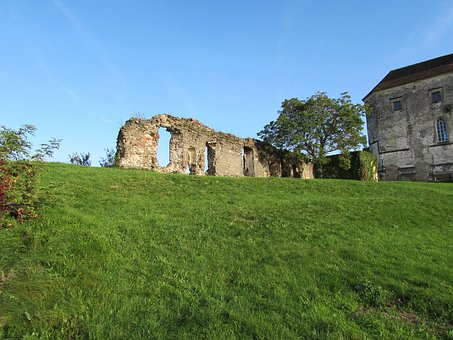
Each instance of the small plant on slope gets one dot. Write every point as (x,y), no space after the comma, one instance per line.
(109,160)
(80,158)
(19,167)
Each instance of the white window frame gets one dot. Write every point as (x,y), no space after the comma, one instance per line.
(442,130)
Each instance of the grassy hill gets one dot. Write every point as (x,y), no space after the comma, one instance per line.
(135,254)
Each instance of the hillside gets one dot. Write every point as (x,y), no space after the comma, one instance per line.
(135,254)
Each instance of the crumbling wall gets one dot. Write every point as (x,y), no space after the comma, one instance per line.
(261,159)
(227,155)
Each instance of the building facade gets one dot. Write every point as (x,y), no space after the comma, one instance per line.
(410,125)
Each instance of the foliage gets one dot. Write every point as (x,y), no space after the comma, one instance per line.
(15,146)
(110,158)
(368,166)
(283,160)
(5,187)
(358,165)
(317,126)
(19,167)
(80,158)
(372,294)
(136,254)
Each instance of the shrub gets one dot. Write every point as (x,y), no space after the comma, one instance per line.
(18,173)
(371,293)
(5,185)
(358,165)
(110,158)
(368,166)
(80,158)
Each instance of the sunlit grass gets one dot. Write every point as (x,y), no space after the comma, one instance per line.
(135,254)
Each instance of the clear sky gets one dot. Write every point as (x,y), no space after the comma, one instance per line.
(79,69)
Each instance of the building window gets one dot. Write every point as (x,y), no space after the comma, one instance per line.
(436,97)
(442,133)
(397,105)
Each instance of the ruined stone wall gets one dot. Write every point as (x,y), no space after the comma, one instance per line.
(406,140)
(227,155)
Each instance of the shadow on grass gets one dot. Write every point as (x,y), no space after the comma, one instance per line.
(450,180)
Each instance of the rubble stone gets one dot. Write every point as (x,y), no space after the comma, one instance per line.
(227,155)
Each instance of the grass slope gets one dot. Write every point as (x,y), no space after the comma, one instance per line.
(135,254)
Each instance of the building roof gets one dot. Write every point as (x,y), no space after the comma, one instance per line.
(409,74)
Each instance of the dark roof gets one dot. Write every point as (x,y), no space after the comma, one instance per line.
(409,74)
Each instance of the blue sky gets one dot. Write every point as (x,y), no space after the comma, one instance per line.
(79,69)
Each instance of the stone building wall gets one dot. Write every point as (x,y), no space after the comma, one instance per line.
(227,155)
(406,140)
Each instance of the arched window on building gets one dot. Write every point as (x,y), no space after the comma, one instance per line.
(442,133)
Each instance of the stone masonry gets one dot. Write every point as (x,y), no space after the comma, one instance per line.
(192,143)
(411,121)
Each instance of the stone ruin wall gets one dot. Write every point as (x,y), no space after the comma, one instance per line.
(227,155)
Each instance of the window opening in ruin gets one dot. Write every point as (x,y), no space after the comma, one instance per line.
(209,159)
(192,160)
(163,147)
(296,172)
(442,133)
(206,160)
(436,97)
(248,166)
(286,169)
(243,162)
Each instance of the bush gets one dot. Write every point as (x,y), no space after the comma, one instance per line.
(371,293)
(368,166)
(18,173)
(80,159)
(109,160)
(358,165)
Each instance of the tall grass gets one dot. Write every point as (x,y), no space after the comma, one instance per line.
(135,254)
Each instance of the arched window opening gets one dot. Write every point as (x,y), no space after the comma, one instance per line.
(442,133)
(163,147)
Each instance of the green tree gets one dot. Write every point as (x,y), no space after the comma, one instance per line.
(317,126)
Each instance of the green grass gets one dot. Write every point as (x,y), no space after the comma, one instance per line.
(136,254)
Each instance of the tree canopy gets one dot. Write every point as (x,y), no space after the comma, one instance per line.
(317,126)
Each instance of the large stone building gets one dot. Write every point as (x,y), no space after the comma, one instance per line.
(410,126)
